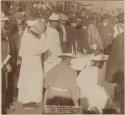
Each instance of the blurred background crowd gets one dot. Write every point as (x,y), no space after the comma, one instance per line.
(97,28)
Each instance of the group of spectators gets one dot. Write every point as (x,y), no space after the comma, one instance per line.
(69,28)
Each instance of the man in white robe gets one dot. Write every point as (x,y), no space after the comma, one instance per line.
(33,44)
(51,56)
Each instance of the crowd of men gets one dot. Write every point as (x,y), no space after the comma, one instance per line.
(39,46)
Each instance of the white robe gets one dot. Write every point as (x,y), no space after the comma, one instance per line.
(51,57)
(89,88)
(30,82)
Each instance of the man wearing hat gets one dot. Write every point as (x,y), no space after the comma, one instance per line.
(115,65)
(33,45)
(62,28)
(94,35)
(106,31)
(83,36)
(72,33)
(51,56)
(63,77)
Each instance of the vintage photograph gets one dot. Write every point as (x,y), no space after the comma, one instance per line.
(62,56)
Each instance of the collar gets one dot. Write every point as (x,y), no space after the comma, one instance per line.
(34,34)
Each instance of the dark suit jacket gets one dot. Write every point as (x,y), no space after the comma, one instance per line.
(116,58)
(64,45)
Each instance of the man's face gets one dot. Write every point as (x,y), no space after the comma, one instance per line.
(19,21)
(105,22)
(39,27)
(73,24)
(84,27)
(2,24)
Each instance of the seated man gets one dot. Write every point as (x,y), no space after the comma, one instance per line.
(62,76)
(90,88)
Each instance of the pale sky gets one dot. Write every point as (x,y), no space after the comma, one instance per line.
(107,5)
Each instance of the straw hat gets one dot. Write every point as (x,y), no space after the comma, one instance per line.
(99,58)
(70,55)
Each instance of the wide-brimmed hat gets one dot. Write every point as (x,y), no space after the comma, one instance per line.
(70,55)
(63,17)
(99,58)
(54,17)
(74,20)
(3,17)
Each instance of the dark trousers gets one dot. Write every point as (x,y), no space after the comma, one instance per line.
(4,91)
(7,89)
(16,77)
(119,79)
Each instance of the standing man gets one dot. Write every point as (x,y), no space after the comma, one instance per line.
(51,56)
(72,34)
(94,36)
(30,84)
(6,66)
(106,32)
(13,36)
(63,30)
(115,65)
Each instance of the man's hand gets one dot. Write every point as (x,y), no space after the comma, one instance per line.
(19,61)
(9,68)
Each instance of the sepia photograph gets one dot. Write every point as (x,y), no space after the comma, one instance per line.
(62,57)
